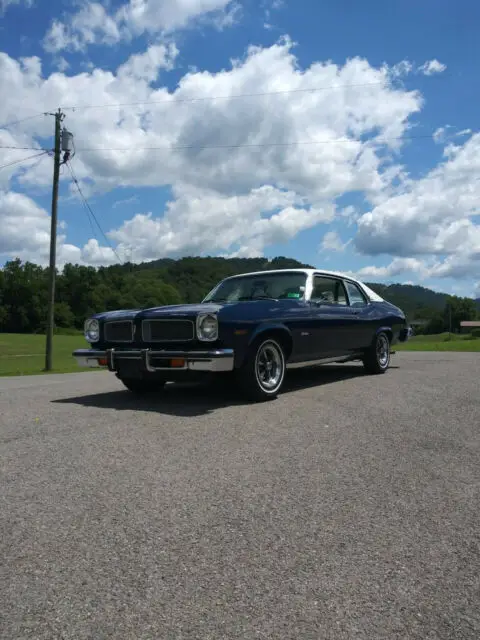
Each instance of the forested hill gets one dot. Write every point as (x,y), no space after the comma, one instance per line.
(410,297)
(190,274)
(81,291)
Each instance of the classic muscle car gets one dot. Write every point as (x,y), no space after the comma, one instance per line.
(252,327)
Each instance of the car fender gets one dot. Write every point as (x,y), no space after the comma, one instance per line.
(262,330)
(266,327)
(386,329)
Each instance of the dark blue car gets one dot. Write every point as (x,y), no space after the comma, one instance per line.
(252,327)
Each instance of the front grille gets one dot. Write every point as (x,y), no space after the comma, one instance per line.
(167,330)
(121,331)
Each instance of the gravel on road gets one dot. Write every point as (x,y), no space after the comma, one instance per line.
(348,508)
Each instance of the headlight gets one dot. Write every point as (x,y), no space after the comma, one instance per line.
(92,330)
(207,328)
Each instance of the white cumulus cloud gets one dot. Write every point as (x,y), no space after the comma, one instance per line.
(4,4)
(397,267)
(406,67)
(220,153)
(199,221)
(244,170)
(93,24)
(436,215)
(431,67)
(332,242)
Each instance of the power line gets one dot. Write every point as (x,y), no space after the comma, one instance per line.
(230,97)
(10,164)
(14,122)
(245,145)
(90,220)
(25,148)
(199,99)
(89,209)
(240,146)
(202,99)
(253,145)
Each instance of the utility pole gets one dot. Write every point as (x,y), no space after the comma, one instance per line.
(59,116)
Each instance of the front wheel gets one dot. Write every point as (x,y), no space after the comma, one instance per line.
(377,358)
(141,387)
(262,374)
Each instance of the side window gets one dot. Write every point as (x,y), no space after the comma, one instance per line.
(328,291)
(356,297)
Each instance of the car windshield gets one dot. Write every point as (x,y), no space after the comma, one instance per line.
(277,286)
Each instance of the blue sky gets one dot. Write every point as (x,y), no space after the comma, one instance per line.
(375,171)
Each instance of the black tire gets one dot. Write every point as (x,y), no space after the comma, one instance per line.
(142,387)
(377,358)
(262,374)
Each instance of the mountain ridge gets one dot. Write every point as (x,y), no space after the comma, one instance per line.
(82,291)
(207,271)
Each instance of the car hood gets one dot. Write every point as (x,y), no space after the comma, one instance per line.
(177,310)
(182,310)
(227,310)
(118,314)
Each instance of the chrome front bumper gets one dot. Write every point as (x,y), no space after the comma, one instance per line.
(216,360)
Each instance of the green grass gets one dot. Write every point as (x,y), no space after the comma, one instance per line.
(24,354)
(440,342)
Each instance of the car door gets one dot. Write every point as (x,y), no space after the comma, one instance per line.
(334,321)
(298,319)
(361,331)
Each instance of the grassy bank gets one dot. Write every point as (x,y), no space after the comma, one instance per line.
(440,342)
(24,354)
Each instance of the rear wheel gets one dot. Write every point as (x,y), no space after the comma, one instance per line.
(141,387)
(377,358)
(262,374)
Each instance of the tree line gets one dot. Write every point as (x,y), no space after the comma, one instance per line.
(82,291)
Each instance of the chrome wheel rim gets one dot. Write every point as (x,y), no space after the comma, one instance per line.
(383,351)
(269,366)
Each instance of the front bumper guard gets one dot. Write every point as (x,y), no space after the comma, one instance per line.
(215,360)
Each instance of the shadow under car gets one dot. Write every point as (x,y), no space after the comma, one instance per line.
(194,399)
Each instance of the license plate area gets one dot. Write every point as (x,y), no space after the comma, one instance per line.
(129,368)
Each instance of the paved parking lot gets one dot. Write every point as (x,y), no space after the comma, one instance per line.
(348,508)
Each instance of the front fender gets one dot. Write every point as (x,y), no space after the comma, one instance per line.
(386,329)
(264,329)
(268,327)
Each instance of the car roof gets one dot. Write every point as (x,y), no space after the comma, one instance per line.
(369,292)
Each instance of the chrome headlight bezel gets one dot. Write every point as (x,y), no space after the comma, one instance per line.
(91,330)
(209,336)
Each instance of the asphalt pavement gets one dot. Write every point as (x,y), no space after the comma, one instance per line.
(348,508)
